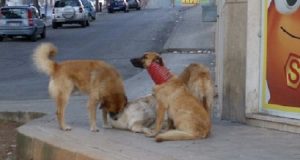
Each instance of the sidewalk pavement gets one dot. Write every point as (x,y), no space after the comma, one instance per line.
(41,138)
(192,33)
(159,4)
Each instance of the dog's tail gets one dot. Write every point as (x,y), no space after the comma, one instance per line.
(42,58)
(199,82)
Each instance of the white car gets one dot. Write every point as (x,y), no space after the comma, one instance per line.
(69,12)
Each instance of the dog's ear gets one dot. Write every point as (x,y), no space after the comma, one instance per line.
(101,106)
(159,61)
(104,104)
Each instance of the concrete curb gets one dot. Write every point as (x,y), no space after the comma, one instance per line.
(30,148)
(41,139)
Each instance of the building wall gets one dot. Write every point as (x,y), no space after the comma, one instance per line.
(231,58)
(253,56)
(238,49)
(219,54)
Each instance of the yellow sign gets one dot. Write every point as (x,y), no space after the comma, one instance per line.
(190,1)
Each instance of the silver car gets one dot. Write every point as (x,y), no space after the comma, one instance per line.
(21,21)
(68,12)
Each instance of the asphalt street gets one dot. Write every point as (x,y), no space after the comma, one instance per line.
(114,38)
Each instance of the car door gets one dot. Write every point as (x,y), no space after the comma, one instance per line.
(37,20)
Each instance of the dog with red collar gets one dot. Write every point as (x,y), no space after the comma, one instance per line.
(188,117)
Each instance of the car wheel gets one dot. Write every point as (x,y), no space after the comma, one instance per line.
(126,10)
(110,11)
(33,37)
(138,8)
(83,24)
(90,18)
(54,25)
(68,12)
(1,38)
(43,35)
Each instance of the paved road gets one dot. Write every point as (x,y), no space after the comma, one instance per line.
(114,38)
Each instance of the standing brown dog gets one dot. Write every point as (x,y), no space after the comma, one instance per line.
(185,112)
(99,80)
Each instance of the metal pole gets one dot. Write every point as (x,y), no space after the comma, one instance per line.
(97,5)
(46,9)
(100,6)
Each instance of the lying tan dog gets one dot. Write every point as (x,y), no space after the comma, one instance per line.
(185,112)
(138,116)
(99,80)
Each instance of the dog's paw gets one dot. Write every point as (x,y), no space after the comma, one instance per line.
(66,128)
(107,126)
(137,128)
(150,133)
(146,130)
(94,129)
(158,139)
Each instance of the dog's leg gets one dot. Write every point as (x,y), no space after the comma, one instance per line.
(170,124)
(60,91)
(160,112)
(105,121)
(92,107)
(174,135)
(61,103)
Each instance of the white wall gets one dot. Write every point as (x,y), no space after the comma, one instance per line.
(253,55)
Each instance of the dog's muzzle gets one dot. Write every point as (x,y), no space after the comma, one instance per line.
(113,116)
(137,62)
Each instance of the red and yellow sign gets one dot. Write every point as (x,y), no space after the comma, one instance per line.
(281,60)
(292,71)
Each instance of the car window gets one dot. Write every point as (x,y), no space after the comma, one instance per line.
(34,13)
(63,3)
(13,13)
(91,4)
(86,3)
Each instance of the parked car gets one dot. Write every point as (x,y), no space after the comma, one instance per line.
(89,6)
(21,21)
(134,4)
(69,12)
(117,5)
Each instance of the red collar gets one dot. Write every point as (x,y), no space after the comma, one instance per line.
(158,73)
